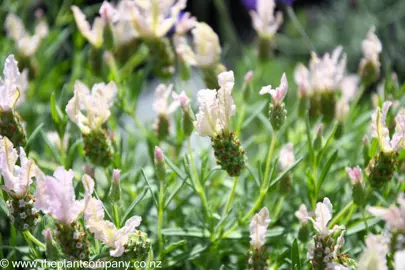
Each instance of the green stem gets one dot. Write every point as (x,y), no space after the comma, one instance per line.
(30,238)
(116,215)
(297,24)
(268,162)
(160,218)
(263,189)
(231,196)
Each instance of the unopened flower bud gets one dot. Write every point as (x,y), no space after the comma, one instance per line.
(355,175)
(187,120)
(358,192)
(249,76)
(247,87)
(51,249)
(115,189)
(160,167)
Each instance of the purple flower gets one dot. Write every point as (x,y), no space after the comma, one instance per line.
(251,4)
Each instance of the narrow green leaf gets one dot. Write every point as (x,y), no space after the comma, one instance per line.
(174,246)
(193,232)
(326,169)
(309,138)
(253,115)
(175,191)
(280,176)
(34,135)
(132,206)
(295,256)
(150,188)
(328,141)
(176,169)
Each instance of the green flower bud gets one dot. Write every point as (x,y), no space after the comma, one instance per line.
(11,128)
(381,169)
(162,127)
(278,115)
(258,259)
(137,246)
(229,153)
(22,213)
(163,56)
(73,241)
(115,189)
(160,167)
(97,147)
(51,251)
(188,123)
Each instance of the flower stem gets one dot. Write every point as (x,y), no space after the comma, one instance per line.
(116,215)
(160,217)
(268,162)
(231,196)
(30,238)
(263,189)
(297,24)
(364,218)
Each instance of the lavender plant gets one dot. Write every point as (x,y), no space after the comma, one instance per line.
(178,161)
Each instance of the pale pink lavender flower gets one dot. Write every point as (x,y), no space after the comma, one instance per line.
(13,85)
(265,20)
(302,214)
(323,214)
(279,93)
(355,175)
(94,34)
(153,19)
(325,74)
(374,256)
(258,228)
(185,24)
(161,104)
(108,13)
(89,110)
(287,157)
(55,195)
(349,86)
(27,44)
(399,260)
(206,51)
(182,99)
(381,132)
(105,230)
(216,107)
(371,48)
(393,216)
(17,178)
